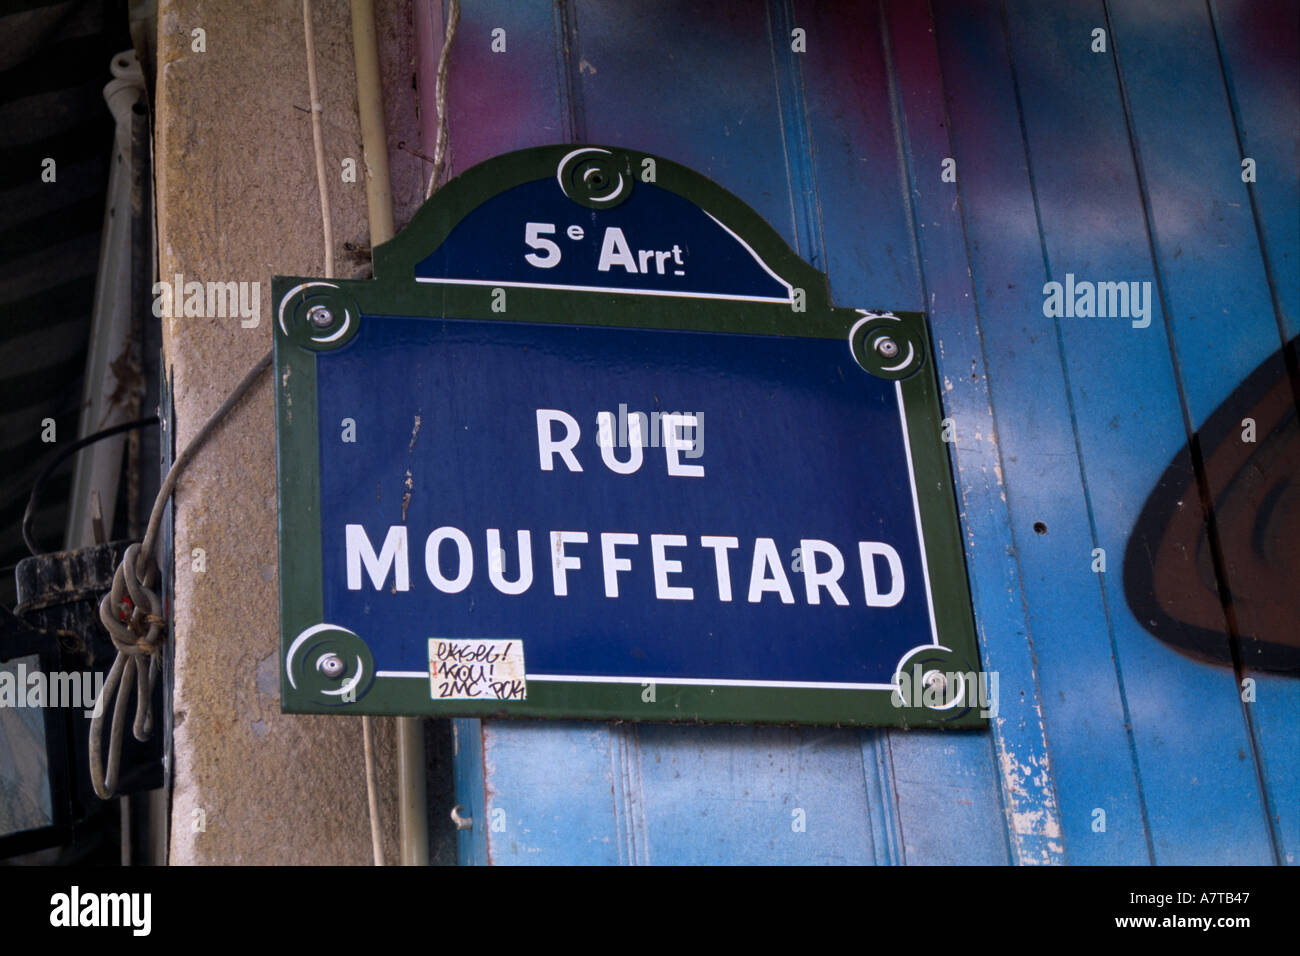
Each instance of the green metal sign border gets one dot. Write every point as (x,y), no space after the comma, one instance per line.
(394,292)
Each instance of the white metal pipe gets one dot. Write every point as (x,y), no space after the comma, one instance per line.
(110,396)
(412,797)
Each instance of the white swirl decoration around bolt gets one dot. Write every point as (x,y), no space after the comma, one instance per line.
(326,319)
(883,346)
(594,177)
(330,661)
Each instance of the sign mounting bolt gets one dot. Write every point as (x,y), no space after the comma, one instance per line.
(886,346)
(331,665)
(320,316)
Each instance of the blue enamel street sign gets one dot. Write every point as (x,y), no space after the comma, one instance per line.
(595,443)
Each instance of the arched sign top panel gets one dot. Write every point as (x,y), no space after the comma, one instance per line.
(469,233)
(655,243)
(595,443)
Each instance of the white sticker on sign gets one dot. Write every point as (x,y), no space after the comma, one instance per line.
(462,669)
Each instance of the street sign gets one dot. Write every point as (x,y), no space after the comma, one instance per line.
(594,442)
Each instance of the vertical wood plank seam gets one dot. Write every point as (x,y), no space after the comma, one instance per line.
(1007,759)
(1238,126)
(1014,850)
(629,800)
(1074,429)
(1078,448)
(568,73)
(618,791)
(1196,456)
(889,845)
(805,203)
(637,802)
(1052,804)
(1024,751)
(796,136)
(1002,752)
(1293,371)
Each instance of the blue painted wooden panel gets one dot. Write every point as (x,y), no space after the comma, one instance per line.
(1082,704)
(1189,741)
(498,102)
(865,242)
(1122,165)
(1032,814)
(1217,302)
(1259,48)
(960,772)
(694,83)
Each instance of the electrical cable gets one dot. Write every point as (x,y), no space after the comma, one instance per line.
(132,613)
(29,537)
(440,97)
(317,137)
